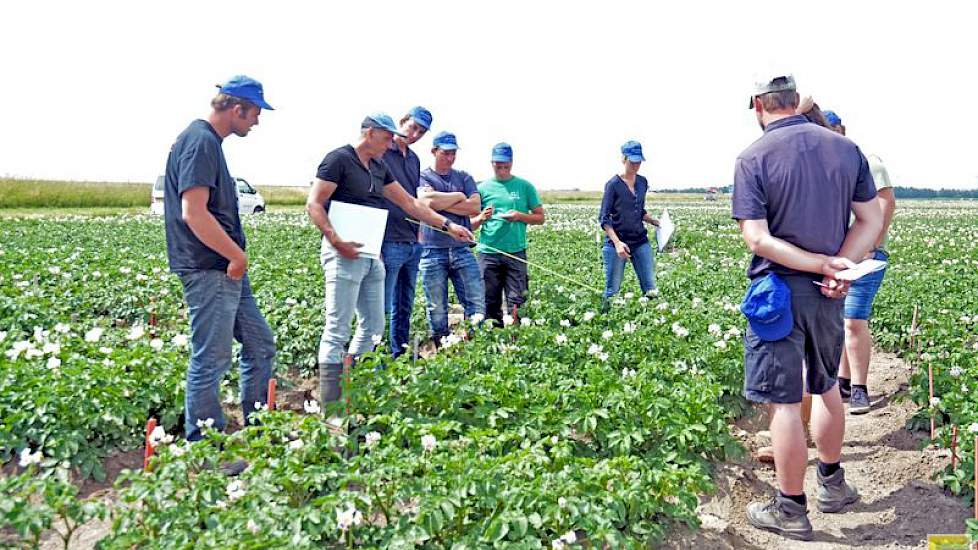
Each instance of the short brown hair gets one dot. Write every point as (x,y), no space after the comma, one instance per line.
(223,102)
(779,101)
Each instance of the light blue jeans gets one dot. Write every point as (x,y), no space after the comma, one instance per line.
(643,262)
(222,309)
(351,286)
(459,264)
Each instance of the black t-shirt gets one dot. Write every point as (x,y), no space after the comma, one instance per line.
(354,184)
(197,160)
(406,170)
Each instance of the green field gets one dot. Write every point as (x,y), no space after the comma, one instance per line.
(28,194)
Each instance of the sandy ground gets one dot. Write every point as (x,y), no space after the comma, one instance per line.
(900,503)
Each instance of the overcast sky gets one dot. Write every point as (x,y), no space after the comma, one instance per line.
(99,90)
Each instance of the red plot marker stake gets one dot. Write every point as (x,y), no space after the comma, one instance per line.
(954,448)
(272,384)
(515,315)
(150,426)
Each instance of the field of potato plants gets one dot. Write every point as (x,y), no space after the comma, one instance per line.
(570,428)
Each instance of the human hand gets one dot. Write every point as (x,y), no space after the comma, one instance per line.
(460,233)
(511,216)
(487,212)
(623,251)
(237,267)
(347,249)
(831,286)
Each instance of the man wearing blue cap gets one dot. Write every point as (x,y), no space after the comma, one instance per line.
(401,252)
(205,244)
(453,193)
(509,204)
(358,175)
(794,191)
(858,351)
(622,218)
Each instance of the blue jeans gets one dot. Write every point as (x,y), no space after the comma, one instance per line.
(459,264)
(862,293)
(351,286)
(643,262)
(222,309)
(401,276)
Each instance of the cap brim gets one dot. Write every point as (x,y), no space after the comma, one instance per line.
(264,105)
(501,159)
(447,147)
(635,158)
(777,330)
(750,104)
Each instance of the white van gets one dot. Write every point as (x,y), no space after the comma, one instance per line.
(250,200)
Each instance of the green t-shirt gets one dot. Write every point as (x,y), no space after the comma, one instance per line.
(512,194)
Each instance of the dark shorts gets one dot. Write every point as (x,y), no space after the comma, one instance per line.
(773,370)
(859,301)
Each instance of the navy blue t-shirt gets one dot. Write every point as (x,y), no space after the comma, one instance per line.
(802,179)
(455,181)
(197,160)
(406,170)
(624,210)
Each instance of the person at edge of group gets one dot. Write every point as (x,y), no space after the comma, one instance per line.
(622,218)
(453,194)
(401,252)
(205,245)
(352,283)
(854,369)
(795,189)
(509,204)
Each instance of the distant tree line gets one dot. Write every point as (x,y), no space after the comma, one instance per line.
(901,192)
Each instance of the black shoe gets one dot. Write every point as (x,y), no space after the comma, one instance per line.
(859,401)
(233,468)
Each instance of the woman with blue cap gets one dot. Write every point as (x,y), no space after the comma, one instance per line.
(622,219)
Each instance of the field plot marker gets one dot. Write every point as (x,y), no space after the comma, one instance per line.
(954,448)
(272,384)
(150,426)
(930,376)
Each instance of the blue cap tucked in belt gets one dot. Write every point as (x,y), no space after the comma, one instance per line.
(767,307)
(832,118)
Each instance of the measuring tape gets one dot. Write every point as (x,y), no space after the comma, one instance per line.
(518,259)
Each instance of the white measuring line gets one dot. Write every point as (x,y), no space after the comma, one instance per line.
(517,258)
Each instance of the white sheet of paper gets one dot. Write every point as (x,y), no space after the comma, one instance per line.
(665,230)
(863,268)
(361,224)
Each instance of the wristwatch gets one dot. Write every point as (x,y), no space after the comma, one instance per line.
(444,226)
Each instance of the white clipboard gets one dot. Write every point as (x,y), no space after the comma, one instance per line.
(665,230)
(862,269)
(362,224)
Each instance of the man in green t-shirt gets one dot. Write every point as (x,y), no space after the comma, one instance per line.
(509,204)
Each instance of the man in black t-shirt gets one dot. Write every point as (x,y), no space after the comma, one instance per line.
(354,283)
(206,249)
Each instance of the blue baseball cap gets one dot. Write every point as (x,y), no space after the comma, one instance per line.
(422,116)
(446,141)
(502,152)
(767,306)
(382,121)
(632,151)
(832,118)
(247,88)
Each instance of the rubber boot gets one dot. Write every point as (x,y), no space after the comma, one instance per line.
(330,381)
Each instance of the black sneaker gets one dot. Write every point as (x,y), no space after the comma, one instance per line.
(859,401)
(233,468)
(782,516)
